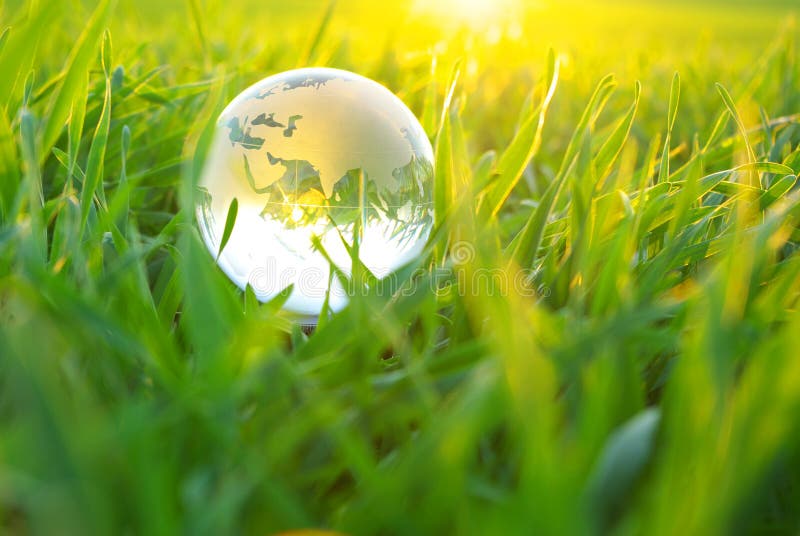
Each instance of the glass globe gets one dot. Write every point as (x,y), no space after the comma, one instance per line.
(315,159)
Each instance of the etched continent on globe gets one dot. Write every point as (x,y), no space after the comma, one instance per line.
(316,154)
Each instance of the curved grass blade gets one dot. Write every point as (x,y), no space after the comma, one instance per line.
(4,39)
(778,189)
(613,145)
(97,150)
(443,174)
(524,146)
(9,169)
(75,129)
(429,103)
(755,180)
(119,205)
(210,310)
(197,19)
(75,69)
(125,144)
(716,132)
(313,45)
(621,462)
(674,100)
(35,248)
(20,48)
(230,221)
(27,87)
(525,245)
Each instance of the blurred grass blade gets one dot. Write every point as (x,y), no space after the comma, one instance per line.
(27,88)
(310,54)
(777,191)
(429,105)
(210,310)
(621,463)
(525,144)
(199,27)
(20,48)
(443,154)
(596,104)
(4,40)
(717,131)
(75,72)
(35,247)
(612,147)
(9,169)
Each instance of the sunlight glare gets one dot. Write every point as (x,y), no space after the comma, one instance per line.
(476,14)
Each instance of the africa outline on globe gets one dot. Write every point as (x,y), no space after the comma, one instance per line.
(315,153)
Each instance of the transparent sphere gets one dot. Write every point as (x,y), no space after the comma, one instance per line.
(315,159)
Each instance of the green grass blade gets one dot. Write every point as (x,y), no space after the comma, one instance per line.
(525,144)
(777,191)
(19,50)
(613,145)
(75,129)
(9,169)
(97,150)
(731,106)
(525,245)
(674,101)
(230,221)
(622,461)
(75,73)
(4,39)
(429,106)
(199,26)
(312,50)
(35,246)
(443,169)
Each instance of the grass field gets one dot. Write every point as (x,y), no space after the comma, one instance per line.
(647,380)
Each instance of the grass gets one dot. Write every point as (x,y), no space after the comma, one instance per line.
(649,385)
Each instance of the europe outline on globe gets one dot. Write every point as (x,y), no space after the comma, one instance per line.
(319,153)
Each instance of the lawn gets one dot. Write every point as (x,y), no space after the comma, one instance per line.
(636,162)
